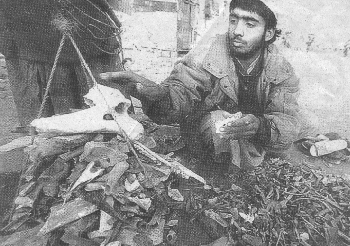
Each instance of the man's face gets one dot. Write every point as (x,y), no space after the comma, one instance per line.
(246,33)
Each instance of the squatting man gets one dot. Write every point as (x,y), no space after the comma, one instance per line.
(241,71)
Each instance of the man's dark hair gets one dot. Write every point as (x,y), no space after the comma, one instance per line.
(259,8)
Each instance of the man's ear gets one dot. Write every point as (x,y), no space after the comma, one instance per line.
(270,33)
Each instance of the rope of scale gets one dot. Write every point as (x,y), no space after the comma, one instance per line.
(85,67)
(49,82)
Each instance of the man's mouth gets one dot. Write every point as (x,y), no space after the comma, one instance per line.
(237,42)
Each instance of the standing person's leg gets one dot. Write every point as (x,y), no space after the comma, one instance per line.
(15,84)
(63,92)
(83,84)
(24,85)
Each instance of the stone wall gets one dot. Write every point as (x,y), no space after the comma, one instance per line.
(155,64)
(149,39)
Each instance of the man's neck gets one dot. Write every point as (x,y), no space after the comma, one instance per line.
(247,61)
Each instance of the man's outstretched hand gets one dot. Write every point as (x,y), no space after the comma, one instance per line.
(138,86)
(245,127)
(121,77)
(127,80)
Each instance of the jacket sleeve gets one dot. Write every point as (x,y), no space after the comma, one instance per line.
(186,88)
(282,112)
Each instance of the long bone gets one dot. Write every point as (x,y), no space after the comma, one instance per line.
(107,114)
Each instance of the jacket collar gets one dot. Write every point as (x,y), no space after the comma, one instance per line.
(217,60)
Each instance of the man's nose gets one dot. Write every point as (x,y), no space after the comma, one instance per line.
(239,30)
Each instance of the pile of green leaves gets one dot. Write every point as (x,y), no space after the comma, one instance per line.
(279,204)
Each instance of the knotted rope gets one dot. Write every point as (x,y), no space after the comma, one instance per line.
(84,65)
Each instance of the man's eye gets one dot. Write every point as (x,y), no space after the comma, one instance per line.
(233,21)
(250,25)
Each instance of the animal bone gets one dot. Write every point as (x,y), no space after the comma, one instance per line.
(131,186)
(105,104)
(94,151)
(175,194)
(176,166)
(144,203)
(16,144)
(66,213)
(87,175)
(114,175)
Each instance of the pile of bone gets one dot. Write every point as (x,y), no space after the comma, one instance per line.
(99,185)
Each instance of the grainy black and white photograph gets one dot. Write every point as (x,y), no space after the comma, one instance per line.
(174,122)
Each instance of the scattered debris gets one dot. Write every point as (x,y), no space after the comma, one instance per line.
(16,144)
(172,223)
(72,239)
(89,174)
(28,237)
(144,203)
(223,241)
(281,204)
(63,214)
(175,194)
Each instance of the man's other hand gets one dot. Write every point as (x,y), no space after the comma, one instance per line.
(245,127)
